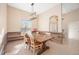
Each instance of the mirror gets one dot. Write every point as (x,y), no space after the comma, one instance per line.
(53,24)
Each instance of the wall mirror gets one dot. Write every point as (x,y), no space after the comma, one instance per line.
(53,23)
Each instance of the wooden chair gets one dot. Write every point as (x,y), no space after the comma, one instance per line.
(27,40)
(34,45)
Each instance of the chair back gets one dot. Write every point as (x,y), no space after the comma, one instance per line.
(28,38)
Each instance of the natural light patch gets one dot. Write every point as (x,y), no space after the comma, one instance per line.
(18,48)
(1,35)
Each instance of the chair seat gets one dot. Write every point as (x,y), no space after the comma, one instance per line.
(37,43)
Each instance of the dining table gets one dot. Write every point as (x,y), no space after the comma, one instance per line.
(43,39)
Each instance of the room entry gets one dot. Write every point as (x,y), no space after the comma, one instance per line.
(74,30)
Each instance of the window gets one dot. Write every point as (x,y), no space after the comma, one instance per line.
(26,25)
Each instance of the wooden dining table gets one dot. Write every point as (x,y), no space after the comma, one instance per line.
(44,36)
(43,39)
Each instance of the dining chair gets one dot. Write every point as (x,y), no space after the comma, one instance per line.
(34,45)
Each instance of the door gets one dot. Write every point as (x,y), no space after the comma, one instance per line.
(74,30)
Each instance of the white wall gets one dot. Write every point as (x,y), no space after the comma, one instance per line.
(15,16)
(69,18)
(44,18)
(3,24)
(14,19)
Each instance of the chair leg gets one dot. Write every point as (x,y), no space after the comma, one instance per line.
(34,51)
(29,47)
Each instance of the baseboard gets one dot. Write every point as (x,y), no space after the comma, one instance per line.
(12,36)
(14,40)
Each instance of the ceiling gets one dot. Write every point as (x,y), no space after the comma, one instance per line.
(38,7)
(42,7)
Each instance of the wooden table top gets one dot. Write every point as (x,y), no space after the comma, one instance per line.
(44,38)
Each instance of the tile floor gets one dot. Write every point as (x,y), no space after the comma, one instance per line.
(19,48)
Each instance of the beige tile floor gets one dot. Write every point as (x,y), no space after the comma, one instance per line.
(19,48)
